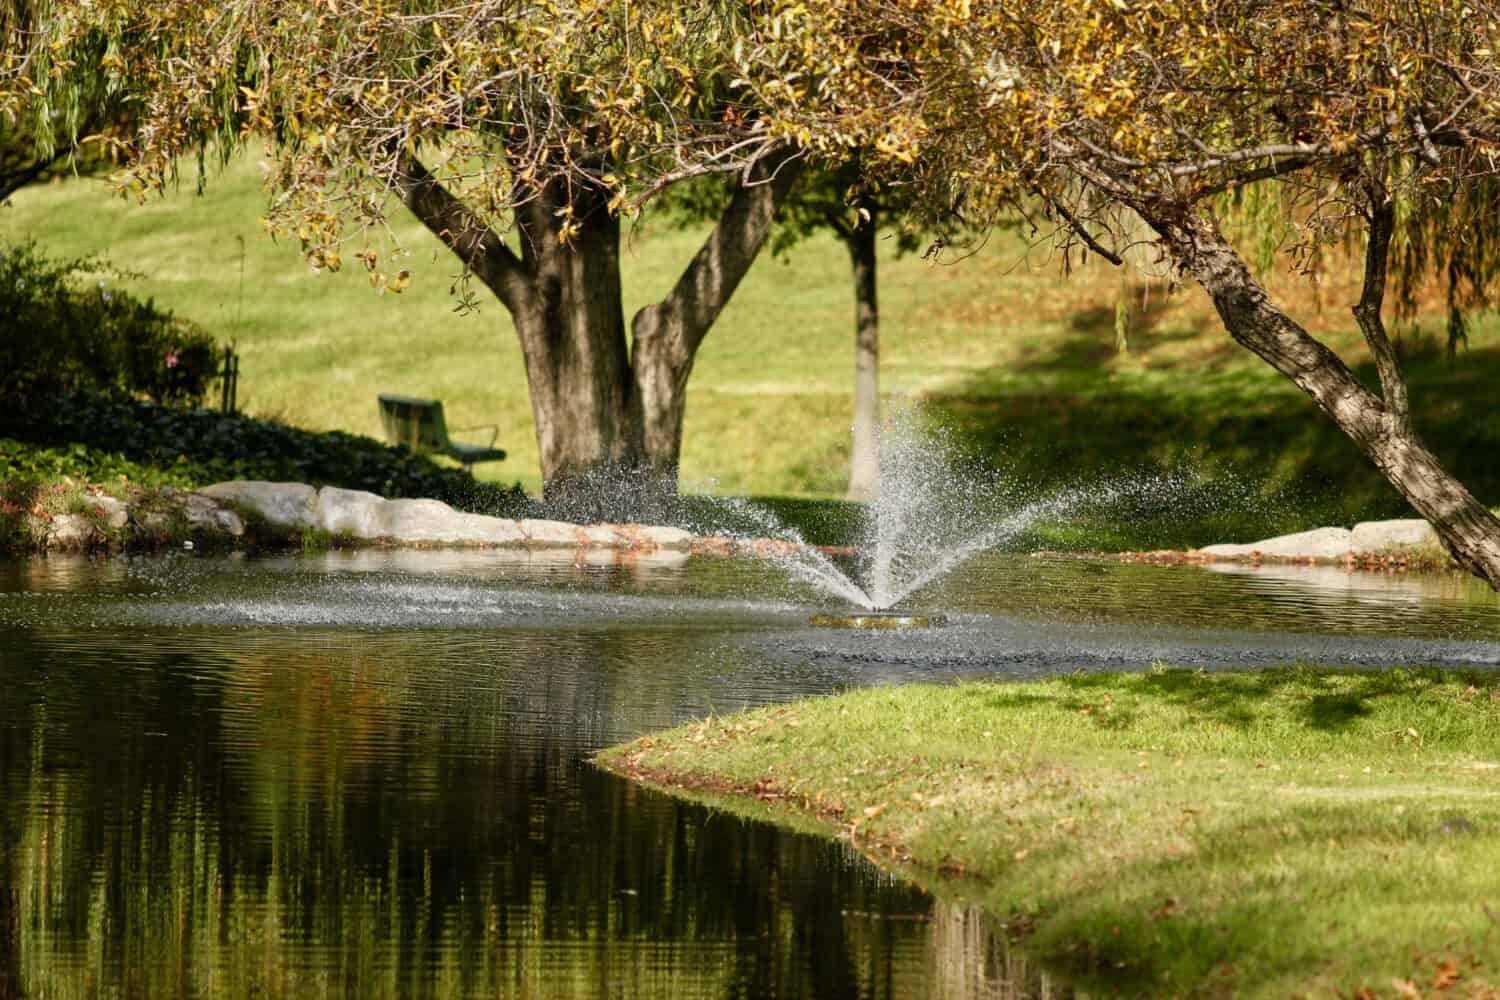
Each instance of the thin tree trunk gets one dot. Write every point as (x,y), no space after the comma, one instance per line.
(864,464)
(1380,427)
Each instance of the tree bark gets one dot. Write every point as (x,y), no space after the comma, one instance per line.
(1380,427)
(665,336)
(572,333)
(864,464)
(608,416)
(564,301)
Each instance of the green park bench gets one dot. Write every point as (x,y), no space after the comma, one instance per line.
(419,425)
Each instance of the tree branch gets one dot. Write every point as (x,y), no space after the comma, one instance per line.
(450,220)
(1075,224)
(1256,323)
(1289,165)
(13,181)
(705,286)
(1307,150)
(1367,312)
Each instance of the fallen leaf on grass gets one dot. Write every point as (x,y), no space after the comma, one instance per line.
(1445,975)
(1168,908)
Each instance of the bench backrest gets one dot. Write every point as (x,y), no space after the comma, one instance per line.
(416,423)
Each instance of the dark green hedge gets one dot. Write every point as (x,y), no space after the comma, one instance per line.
(90,436)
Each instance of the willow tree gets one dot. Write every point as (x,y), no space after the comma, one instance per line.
(518,131)
(72,135)
(1360,111)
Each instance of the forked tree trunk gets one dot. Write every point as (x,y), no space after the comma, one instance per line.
(864,464)
(1381,427)
(608,415)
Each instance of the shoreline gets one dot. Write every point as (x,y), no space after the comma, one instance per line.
(251,515)
(1136,834)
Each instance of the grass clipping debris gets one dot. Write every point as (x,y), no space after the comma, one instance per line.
(1270,833)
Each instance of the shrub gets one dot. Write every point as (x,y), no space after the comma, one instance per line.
(96,438)
(58,335)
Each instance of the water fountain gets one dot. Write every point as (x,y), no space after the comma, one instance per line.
(934,512)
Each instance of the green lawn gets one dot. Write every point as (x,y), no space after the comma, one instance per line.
(1021,360)
(1270,834)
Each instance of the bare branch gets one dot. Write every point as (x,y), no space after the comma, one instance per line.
(1367,312)
(1308,151)
(1075,224)
(450,220)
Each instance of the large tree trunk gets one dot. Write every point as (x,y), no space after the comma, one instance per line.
(608,417)
(1381,427)
(572,333)
(864,464)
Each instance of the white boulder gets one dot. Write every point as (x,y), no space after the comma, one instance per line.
(287,505)
(1319,543)
(69,530)
(112,513)
(433,521)
(353,512)
(552,533)
(1374,537)
(666,537)
(203,513)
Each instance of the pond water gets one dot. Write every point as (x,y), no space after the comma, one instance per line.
(367,774)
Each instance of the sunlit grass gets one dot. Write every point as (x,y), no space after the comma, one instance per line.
(1277,833)
(1022,359)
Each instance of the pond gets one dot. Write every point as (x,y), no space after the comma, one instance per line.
(367,774)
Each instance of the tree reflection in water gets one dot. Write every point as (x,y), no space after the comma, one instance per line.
(226,813)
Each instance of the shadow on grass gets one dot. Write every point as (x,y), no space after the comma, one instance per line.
(1231,425)
(1323,700)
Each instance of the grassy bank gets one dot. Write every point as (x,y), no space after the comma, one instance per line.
(1268,834)
(1023,362)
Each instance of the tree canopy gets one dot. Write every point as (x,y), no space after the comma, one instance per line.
(1372,119)
(515,95)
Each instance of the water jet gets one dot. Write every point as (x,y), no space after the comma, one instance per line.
(932,513)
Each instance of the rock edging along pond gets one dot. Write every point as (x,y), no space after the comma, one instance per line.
(244,512)
(1411,539)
